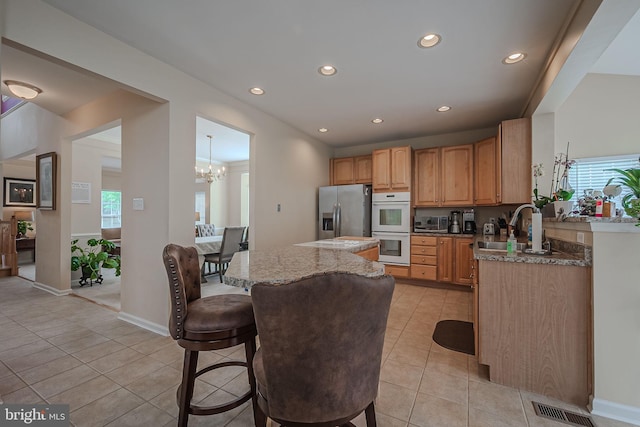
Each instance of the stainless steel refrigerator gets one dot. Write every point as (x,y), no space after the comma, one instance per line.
(344,210)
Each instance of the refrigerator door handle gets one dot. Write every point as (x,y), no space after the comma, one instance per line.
(335,219)
(338,227)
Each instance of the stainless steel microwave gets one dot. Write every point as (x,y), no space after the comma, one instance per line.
(431,224)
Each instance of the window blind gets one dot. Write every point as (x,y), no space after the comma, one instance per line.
(593,173)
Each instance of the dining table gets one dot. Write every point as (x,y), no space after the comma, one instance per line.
(207,245)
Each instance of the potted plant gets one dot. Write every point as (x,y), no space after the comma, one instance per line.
(629,179)
(561,191)
(23,226)
(92,258)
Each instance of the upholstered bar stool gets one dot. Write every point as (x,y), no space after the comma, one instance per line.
(204,324)
(320,352)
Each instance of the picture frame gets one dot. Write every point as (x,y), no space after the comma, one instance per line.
(19,192)
(46,172)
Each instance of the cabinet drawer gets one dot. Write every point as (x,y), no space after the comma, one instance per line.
(396,270)
(423,250)
(424,259)
(426,272)
(424,240)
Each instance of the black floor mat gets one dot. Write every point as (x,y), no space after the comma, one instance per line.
(455,335)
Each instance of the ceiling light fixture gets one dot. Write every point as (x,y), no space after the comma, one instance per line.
(256,91)
(443,109)
(514,58)
(327,70)
(23,90)
(210,175)
(430,40)
(323,130)
(377,121)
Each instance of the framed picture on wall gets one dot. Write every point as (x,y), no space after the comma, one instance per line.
(19,192)
(46,181)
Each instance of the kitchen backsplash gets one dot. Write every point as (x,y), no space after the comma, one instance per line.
(483,213)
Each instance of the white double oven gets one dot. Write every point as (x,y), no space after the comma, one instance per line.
(391,224)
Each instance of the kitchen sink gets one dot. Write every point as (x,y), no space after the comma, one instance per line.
(499,246)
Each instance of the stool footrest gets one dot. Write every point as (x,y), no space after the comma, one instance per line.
(217,409)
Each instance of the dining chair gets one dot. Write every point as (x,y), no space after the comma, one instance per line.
(321,340)
(205,230)
(204,324)
(230,244)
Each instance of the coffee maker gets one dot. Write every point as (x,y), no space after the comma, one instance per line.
(454,223)
(469,221)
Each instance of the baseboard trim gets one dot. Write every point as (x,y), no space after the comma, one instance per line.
(616,411)
(138,321)
(50,289)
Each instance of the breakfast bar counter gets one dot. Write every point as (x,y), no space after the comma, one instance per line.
(290,263)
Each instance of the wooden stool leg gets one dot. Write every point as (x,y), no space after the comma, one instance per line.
(185,393)
(370,414)
(250,349)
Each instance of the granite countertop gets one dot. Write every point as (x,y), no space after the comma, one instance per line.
(345,243)
(600,219)
(290,263)
(562,254)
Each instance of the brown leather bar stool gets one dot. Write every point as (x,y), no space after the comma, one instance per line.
(204,324)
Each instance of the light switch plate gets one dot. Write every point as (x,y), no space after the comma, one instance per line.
(138,204)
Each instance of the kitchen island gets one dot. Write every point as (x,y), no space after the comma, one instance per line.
(290,263)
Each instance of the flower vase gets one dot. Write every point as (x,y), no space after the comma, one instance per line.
(563,208)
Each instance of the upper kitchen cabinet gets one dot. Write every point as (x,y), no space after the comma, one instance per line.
(426,190)
(391,169)
(351,170)
(456,183)
(444,176)
(514,140)
(487,181)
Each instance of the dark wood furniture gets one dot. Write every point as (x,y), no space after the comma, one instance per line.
(205,324)
(27,244)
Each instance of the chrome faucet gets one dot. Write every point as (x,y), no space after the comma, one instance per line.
(536,225)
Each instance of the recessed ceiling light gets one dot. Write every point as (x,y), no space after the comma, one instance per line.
(256,91)
(323,130)
(514,57)
(327,70)
(377,120)
(430,40)
(443,109)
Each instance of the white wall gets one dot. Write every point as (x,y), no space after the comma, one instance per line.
(166,134)
(600,118)
(234,188)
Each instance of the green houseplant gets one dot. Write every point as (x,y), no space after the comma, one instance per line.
(91,258)
(629,179)
(23,226)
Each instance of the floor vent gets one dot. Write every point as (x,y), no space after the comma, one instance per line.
(562,415)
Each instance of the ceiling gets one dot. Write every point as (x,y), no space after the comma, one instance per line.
(280,44)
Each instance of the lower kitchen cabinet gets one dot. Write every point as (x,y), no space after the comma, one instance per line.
(463,267)
(535,328)
(396,270)
(371,254)
(445,259)
(424,259)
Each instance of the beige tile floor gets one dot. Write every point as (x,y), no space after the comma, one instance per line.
(69,350)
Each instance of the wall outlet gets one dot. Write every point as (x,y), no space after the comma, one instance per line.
(580,237)
(278,208)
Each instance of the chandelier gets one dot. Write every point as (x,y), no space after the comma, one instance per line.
(211,176)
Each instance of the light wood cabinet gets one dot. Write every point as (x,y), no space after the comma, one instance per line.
(350,170)
(456,183)
(424,257)
(426,182)
(514,140)
(445,259)
(396,270)
(391,169)
(463,265)
(362,169)
(444,176)
(487,171)
(534,330)
(371,254)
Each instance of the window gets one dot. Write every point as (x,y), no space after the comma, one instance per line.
(593,173)
(111,209)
